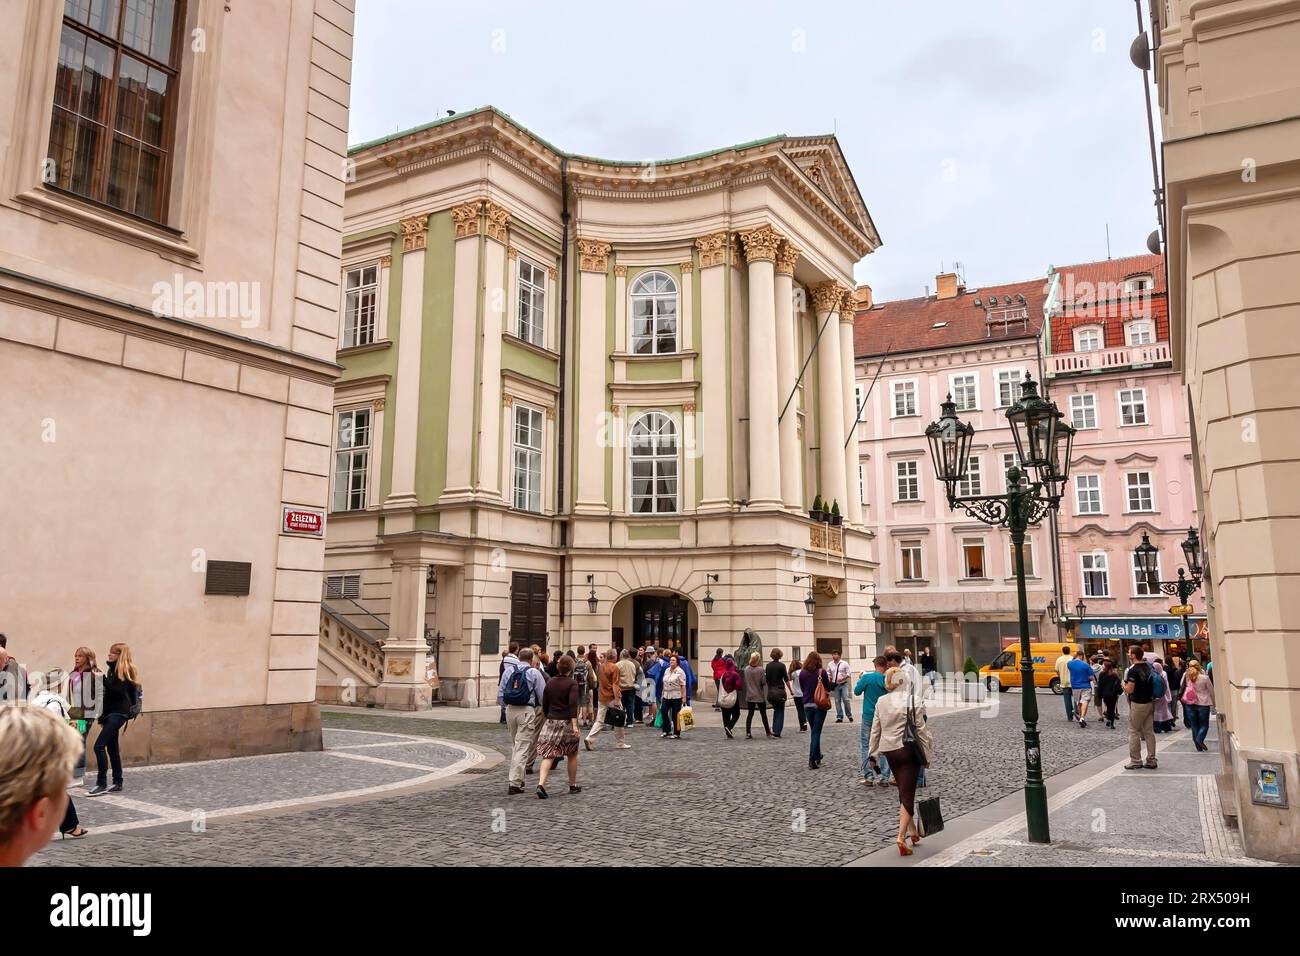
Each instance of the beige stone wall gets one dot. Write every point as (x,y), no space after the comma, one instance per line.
(1230,83)
(149,440)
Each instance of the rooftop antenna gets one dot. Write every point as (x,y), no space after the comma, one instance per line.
(1107,240)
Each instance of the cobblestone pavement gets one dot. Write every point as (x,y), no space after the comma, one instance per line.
(725,802)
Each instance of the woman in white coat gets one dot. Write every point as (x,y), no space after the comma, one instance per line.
(890,736)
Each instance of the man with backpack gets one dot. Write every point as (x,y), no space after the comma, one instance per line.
(520,692)
(1140,685)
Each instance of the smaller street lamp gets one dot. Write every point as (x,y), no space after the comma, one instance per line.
(875,607)
(810,602)
(1148,561)
(592,603)
(708,593)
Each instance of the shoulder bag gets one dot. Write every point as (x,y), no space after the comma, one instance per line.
(820,695)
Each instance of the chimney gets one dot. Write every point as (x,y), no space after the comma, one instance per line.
(945,286)
(862,298)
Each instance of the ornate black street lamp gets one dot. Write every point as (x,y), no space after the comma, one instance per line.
(810,602)
(875,607)
(592,603)
(708,592)
(1148,561)
(1043,442)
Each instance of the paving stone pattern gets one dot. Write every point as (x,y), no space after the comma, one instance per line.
(729,802)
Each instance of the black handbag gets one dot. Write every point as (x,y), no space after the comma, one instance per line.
(929,817)
(615,717)
(909,728)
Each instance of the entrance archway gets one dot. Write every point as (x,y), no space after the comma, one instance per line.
(665,618)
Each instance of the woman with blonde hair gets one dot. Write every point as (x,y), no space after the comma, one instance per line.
(35,766)
(121,702)
(756,695)
(899,731)
(1197,695)
(85,697)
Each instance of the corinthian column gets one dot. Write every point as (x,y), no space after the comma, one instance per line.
(787,368)
(830,396)
(714,378)
(852,509)
(760,247)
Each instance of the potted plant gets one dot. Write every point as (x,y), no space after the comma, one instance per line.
(970,687)
(818,512)
(836,518)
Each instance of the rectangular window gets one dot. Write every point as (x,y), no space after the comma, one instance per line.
(972,552)
(1138,484)
(529,429)
(1096,574)
(971,484)
(113,116)
(1010,459)
(530,324)
(904,399)
(1139,333)
(909,553)
(1133,406)
(965,391)
(859,399)
(909,488)
(1083,411)
(352,460)
(343,586)
(1087,494)
(1087,340)
(862,486)
(1029,558)
(360,298)
(1009,380)
(1141,586)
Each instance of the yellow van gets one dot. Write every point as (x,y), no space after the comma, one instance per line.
(1005,668)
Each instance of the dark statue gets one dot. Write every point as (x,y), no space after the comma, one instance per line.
(750,643)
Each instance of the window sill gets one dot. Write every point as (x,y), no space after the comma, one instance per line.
(652,356)
(909,501)
(974,581)
(362,349)
(1148,511)
(1091,514)
(529,346)
(1134,425)
(1028,579)
(138,232)
(911,415)
(351,512)
(911,582)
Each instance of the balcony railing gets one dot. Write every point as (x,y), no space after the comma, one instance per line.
(1103,360)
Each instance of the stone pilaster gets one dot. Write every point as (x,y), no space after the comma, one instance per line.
(592,350)
(714,363)
(760,246)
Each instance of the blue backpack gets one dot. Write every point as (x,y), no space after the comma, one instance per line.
(518,692)
(1157,684)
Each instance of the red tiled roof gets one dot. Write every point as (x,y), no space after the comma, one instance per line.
(1090,295)
(1081,283)
(908,325)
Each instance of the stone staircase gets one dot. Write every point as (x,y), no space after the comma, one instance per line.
(350,656)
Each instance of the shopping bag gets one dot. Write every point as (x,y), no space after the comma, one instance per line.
(687,718)
(929,818)
(659,718)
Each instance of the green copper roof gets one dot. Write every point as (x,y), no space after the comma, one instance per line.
(360,147)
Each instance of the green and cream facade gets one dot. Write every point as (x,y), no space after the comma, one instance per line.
(537,438)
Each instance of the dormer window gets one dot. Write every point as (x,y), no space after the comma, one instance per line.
(1088,339)
(1139,333)
(1133,285)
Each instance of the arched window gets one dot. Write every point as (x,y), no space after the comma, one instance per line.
(653,456)
(654,314)
(1139,333)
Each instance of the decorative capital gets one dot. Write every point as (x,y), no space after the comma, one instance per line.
(511,252)
(553,273)
(688,408)
(593,255)
(687,268)
(378,404)
(498,222)
(620,272)
(550,413)
(760,243)
(827,296)
(848,305)
(713,249)
(415,232)
(615,409)
(508,400)
(786,257)
(466,218)
(385,262)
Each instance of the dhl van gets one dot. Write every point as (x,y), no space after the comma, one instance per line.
(1005,668)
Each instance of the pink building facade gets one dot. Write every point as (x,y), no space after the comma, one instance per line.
(1108,367)
(945,579)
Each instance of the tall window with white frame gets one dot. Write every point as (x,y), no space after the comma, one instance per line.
(654,314)
(862,486)
(1087,494)
(1141,586)
(965,391)
(360,304)
(1140,497)
(859,399)
(909,555)
(904,399)
(972,555)
(1009,380)
(529,432)
(530,324)
(653,454)
(909,482)
(1132,406)
(971,485)
(1096,574)
(1010,458)
(1083,411)
(1028,554)
(352,459)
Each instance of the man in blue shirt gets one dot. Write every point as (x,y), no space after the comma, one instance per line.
(871,687)
(1082,679)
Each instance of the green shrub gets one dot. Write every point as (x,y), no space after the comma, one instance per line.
(969,667)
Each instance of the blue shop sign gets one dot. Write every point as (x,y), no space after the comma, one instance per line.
(1132,629)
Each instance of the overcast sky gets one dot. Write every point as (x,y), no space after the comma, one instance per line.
(1001,134)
